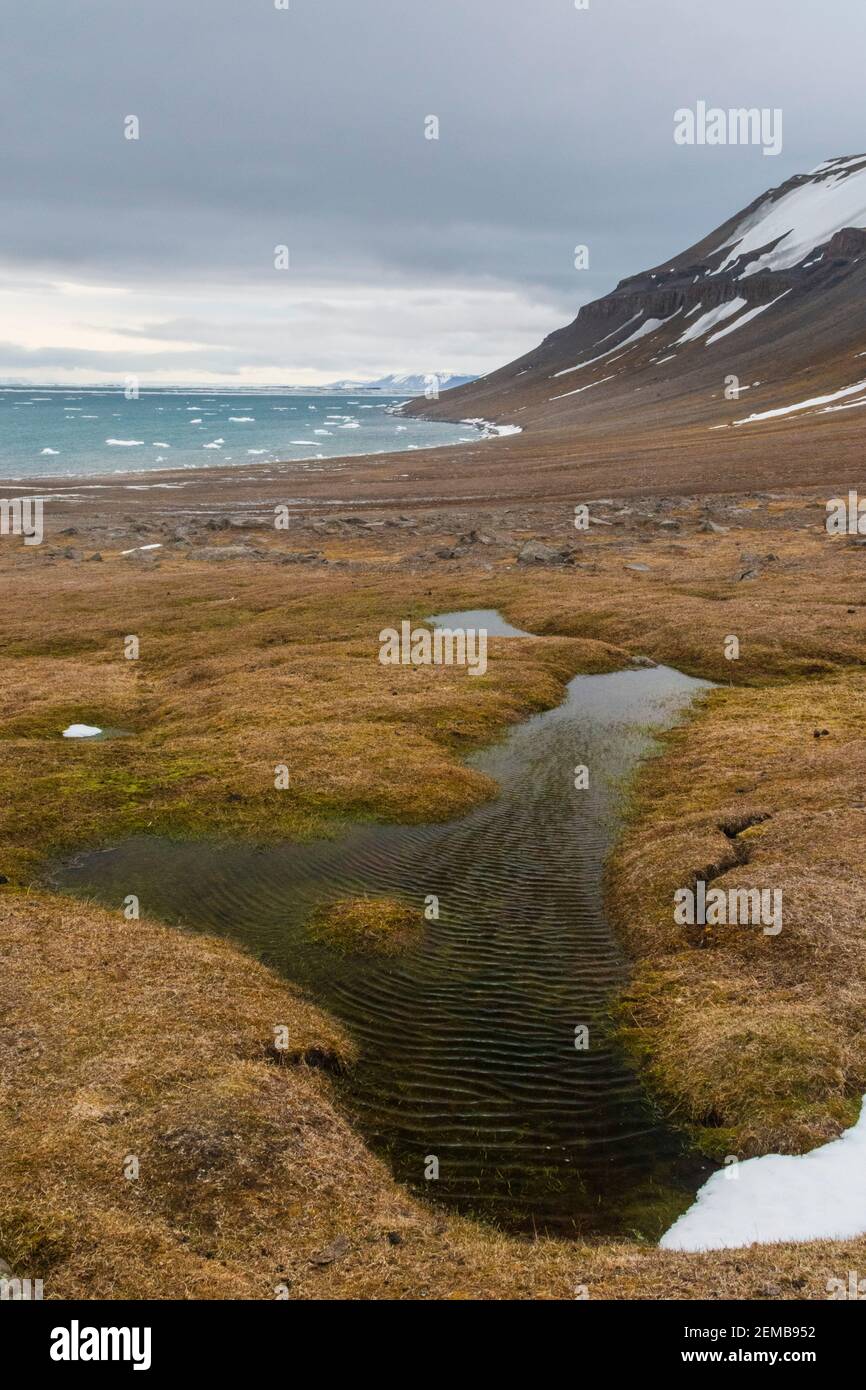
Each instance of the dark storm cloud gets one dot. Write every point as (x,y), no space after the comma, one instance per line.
(262,126)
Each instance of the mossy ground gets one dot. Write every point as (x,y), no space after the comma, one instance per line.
(379,925)
(120,1038)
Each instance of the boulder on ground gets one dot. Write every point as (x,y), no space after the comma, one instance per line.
(537,553)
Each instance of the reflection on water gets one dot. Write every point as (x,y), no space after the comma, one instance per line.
(468,1040)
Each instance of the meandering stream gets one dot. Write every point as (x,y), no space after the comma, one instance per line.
(468,1039)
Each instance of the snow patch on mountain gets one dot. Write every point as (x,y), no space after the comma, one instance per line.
(832,197)
(414,383)
(810,404)
(745,318)
(710,319)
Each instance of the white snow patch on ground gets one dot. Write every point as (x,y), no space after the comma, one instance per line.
(804,405)
(710,319)
(607,336)
(646,328)
(489,430)
(157,545)
(582,388)
(744,318)
(81,731)
(849,405)
(815,1196)
(592,361)
(642,332)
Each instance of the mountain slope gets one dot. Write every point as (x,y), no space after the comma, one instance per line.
(776,297)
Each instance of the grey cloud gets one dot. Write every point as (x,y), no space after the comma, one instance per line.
(305,126)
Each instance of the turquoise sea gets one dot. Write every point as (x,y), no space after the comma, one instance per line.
(63,431)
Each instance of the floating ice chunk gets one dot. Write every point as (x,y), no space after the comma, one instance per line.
(125,443)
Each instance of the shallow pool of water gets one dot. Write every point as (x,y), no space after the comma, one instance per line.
(468,1039)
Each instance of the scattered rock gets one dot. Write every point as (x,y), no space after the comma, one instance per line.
(707,525)
(95,556)
(537,553)
(646,661)
(301,557)
(335,1251)
(227,552)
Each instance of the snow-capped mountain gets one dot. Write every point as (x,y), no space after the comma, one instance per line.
(772,304)
(407,384)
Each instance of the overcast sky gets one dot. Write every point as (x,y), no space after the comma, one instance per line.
(305,127)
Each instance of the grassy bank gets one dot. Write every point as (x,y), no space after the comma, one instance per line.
(122,1039)
(129,1041)
(754,1040)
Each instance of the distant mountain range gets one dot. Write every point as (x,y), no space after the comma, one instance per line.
(760,325)
(409,384)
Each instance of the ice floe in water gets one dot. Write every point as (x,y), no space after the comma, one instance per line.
(815,1196)
(81,731)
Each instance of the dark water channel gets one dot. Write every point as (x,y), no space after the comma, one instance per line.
(468,1039)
